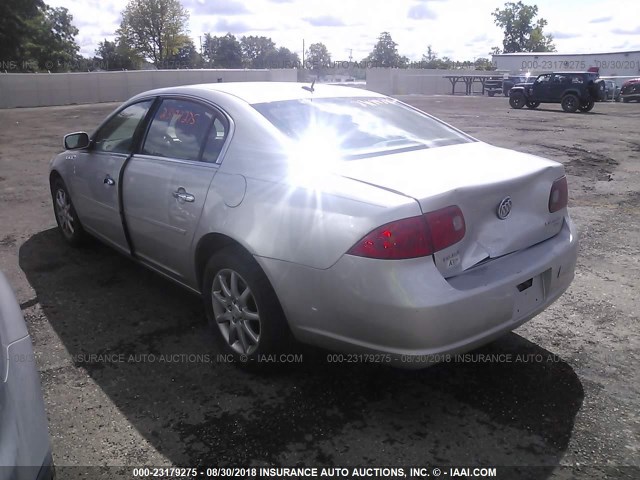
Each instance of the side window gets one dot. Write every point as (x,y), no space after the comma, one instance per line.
(215,140)
(178,130)
(543,78)
(117,134)
(577,79)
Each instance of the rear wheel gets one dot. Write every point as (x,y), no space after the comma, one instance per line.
(66,216)
(242,307)
(491,94)
(532,105)
(517,100)
(570,103)
(587,107)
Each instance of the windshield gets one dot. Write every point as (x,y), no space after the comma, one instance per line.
(358,127)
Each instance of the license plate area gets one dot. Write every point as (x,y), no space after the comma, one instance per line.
(528,296)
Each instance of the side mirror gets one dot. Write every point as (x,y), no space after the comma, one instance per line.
(75,141)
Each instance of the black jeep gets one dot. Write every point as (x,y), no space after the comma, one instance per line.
(573,90)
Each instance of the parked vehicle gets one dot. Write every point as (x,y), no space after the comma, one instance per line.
(503,85)
(630,90)
(25,451)
(334,215)
(611,90)
(573,90)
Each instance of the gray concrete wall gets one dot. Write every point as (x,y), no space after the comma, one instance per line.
(43,89)
(393,81)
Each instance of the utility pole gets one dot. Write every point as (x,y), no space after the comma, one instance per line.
(303,66)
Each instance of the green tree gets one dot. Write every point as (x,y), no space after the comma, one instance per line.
(156,29)
(483,64)
(282,58)
(222,52)
(522,33)
(15,28)
(116,55)
(51,44)
(185,57)
(256,50)
(385,53)
(318,57)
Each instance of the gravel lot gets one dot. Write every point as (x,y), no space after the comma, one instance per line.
(573,400)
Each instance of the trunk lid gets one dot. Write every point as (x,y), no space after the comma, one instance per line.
(477,177)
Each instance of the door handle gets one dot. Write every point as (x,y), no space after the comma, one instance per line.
(182,195)
(109,181)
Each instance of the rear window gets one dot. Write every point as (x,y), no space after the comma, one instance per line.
(359,127)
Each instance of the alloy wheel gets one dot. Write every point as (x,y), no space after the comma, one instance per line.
(63,212)
(235,311)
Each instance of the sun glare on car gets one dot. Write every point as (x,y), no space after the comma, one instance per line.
(314,156)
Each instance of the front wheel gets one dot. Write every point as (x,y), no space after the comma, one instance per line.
(66,216)
(532,105)
(570,103)
(242,307)
(587,107)
(517,100)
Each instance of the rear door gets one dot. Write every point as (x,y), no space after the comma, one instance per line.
(166,184)
(559,84)
(96,172)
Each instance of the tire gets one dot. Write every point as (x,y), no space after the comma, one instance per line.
(625,100)
(242,308)
(491,94)
(588,106)
(570,103)
(66,216)
(533,105)
(517,101)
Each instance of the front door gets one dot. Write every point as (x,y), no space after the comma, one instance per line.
(96,172)
(541,88)
(166,184)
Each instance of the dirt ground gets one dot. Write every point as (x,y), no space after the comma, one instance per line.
(574,401)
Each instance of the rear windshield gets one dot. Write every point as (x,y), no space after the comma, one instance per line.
(360,126)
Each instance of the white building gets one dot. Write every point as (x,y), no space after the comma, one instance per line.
(611,64)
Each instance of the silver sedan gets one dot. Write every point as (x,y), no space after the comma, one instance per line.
(329,215)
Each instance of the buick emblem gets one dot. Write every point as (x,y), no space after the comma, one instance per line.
(504,208)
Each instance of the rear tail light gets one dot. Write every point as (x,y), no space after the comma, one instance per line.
(559,195)
(413,237)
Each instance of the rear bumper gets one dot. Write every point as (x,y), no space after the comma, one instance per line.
(407,309)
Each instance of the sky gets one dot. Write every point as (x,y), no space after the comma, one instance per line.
(459,29)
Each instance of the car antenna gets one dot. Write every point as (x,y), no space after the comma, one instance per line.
(310,89)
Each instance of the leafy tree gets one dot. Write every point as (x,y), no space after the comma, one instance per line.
(223,52)
(385,53)
(483,64)
(318,57)
(15,27)
(116,55)
(51,44)
(521,32)
(156,29)
(256,50)
(282,58)
(185,57)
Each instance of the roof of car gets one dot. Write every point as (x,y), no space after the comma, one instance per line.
(262,92)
